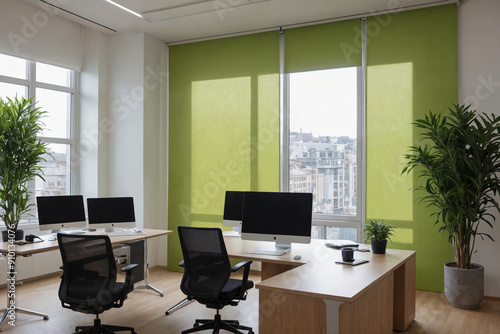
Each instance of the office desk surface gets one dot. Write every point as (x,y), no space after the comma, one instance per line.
(48,245)
(316,273)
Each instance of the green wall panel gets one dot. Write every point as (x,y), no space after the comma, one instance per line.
(223,127)
(411,69)
(224,118)
(323,46)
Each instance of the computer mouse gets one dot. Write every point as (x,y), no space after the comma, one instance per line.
(297,257)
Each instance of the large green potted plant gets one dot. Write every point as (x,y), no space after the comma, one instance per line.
(459,164)
(378,233)
(21,154)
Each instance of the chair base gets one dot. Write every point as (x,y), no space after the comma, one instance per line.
(217,324)
(99,328)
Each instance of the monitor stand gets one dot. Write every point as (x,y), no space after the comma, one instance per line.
(53,233)
(280,248)
(236,232)
(283,246)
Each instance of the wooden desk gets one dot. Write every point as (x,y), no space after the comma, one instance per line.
(49,245)
(13,250)
(316,295)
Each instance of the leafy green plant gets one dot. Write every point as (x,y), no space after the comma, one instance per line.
(460,167)
(378,231)
(21,153)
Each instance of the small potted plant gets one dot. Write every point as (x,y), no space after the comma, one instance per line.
(378,233)
(21,153)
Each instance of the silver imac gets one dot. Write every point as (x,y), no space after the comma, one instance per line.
(233,211)
(61,213)
(111,212)
(280,217)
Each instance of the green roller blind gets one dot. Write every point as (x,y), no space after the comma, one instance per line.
(329,45)
(411,69)
(223,126)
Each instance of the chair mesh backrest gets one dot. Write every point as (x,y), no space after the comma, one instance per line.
(207,267)
(87,255)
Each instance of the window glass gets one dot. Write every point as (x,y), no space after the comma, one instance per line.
(53,75)
(335,233)
(53,91)
(58,106)
(323,138)
(12,90)
(13,67)
(56,170)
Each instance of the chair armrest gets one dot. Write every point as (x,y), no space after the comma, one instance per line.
(128,270)
(244,281)
(238,266)
(129,267)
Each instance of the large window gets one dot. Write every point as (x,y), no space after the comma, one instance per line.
(324,118)
(54,89)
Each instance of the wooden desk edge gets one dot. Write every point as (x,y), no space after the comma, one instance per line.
(45,247)
(262,285)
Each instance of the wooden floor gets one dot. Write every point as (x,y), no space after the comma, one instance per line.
(145,311)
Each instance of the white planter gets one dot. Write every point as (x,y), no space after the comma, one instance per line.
(464,288)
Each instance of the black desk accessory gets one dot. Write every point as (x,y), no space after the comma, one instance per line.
(353,263)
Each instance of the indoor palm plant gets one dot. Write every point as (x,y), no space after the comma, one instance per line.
(459,166)
(21,153)
(378,233)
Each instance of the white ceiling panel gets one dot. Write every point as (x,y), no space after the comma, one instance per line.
(183,20)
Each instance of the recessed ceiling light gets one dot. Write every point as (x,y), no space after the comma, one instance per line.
(126,9)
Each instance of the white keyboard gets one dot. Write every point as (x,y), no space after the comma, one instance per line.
(276,252)
(73,232)
(125,233)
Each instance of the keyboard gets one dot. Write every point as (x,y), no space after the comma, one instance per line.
(277,252)
(73,232)
(125,233)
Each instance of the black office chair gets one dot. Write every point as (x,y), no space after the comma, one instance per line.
(207,279)
(182,303)
(88,282)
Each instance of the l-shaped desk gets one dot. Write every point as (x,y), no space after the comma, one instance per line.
(316,295)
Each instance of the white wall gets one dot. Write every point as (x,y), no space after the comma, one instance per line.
(125,139)
(136,141)
(37,33)
(122,133)
(479,85)
(155,144)
(94,124)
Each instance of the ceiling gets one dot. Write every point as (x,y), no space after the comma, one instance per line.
(183,20)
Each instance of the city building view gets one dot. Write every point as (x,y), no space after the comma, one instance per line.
(326,167)
(56,175)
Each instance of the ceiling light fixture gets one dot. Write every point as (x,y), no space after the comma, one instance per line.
(126,9)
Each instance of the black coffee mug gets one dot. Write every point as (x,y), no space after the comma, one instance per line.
(347,254)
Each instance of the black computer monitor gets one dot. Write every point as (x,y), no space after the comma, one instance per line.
(58,212)
(111,212)
(280,217)
(233,209)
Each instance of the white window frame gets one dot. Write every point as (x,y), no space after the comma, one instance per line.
(319,219)
(32,84)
